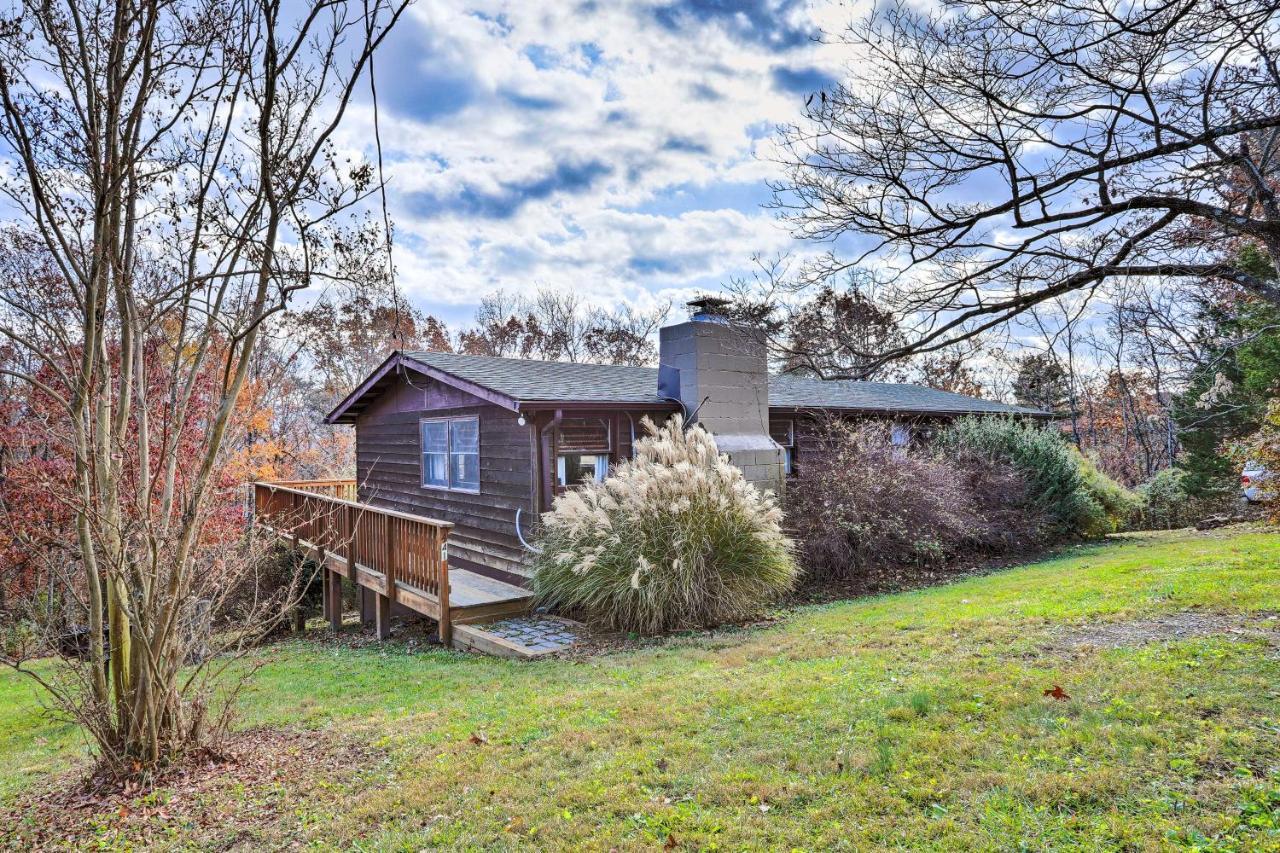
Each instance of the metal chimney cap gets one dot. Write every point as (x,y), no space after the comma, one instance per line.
(709,308)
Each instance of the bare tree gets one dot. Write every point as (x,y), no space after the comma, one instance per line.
(556,326)
(623,335)
(996,154)
(173,165)
(339,340)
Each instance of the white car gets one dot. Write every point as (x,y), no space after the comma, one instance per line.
(1251,480)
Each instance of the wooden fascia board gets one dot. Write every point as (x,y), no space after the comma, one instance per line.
(398,359)
(363,388)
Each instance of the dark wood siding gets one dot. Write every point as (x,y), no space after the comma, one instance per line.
(389,473)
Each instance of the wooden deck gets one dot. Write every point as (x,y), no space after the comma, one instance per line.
(402,558)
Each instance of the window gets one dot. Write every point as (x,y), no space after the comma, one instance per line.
(583,446)
(451,453)
(900,438)
(575,468)
(784,433)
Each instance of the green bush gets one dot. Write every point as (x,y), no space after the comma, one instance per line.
(674,538)
(1166,502)
(1054,472)
(1118,507)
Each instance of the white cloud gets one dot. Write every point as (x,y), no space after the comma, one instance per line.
(584,146)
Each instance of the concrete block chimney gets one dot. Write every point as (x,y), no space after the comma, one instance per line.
(719,371)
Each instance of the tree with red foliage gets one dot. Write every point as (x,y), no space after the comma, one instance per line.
(168,200)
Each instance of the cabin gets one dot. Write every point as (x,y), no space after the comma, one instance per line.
(458,455)
(485,444)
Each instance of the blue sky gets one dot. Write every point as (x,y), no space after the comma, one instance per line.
(616,149)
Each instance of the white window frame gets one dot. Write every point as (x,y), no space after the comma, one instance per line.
(789,449)
(448,454)
(602,467)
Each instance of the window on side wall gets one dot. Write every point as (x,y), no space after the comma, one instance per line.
(900,438)
(783,431)
(451,453)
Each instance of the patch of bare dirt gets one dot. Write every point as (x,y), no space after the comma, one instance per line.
(235,799)
(1168,628)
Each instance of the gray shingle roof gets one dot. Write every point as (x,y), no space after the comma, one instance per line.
(530,381)
(803,393)
(527,380)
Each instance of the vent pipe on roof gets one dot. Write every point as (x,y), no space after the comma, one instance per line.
(709,309)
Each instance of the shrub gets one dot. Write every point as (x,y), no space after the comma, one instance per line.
(1165,502)
(675,538)
(1050,469)
(865,506)
(1117,507)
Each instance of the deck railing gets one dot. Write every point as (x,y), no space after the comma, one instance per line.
(344,490)
(398,548)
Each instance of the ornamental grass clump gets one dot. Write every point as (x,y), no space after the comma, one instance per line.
(675,538)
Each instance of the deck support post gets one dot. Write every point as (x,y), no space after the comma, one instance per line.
(382,616)
(335,600)
(446,622)
(326,580)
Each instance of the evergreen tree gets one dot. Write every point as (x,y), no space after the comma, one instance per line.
(1041,383)
(1228,394)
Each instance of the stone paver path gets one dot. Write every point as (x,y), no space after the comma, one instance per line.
(536,633)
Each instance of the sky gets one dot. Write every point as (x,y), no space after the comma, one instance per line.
(619,150)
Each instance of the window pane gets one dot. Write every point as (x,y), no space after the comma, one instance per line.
(435,469)
(435,436)
(574,468)
(782,431)
(466,470)
(464,435)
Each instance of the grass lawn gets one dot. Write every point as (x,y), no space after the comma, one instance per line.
(916,720)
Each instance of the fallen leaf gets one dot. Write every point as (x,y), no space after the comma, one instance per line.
(478,738)
(1058,693)
(671,842)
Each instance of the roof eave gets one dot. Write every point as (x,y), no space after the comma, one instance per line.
(336,416)
(884,410)
(397,359)
(544,404)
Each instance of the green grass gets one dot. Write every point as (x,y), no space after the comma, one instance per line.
(915,720)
